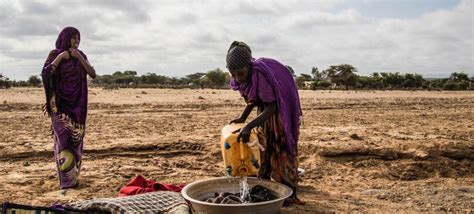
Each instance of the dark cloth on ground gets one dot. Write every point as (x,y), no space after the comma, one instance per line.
(257,194)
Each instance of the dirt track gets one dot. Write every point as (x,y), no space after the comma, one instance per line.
(386,151)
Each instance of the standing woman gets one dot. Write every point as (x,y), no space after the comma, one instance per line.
(268,85)
(64,77)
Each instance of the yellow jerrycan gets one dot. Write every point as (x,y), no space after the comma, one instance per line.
(240,159)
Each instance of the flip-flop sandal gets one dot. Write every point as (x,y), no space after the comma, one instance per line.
(300,172)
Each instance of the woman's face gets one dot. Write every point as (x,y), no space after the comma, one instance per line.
(240,75)
(75,41)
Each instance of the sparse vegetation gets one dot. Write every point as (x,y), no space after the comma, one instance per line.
(212,79)
(343,76)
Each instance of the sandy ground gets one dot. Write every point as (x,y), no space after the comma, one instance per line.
(371,151)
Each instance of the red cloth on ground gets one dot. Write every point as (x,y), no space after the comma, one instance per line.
(141,185)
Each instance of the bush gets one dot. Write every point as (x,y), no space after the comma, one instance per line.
(321,84)
(450,85)
(463,85)
(34,81)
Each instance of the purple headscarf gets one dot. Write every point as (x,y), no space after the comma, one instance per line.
(282,88)
(69,81)
(63,42)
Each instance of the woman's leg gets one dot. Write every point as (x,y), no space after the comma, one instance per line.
(276,159)
(65,153)
(265,170)
(284,170)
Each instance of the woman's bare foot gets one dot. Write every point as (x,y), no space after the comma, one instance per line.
(292,200)
(296,200)
(287,202)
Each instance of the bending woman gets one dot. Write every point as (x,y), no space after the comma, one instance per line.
(268,85)
(65,84)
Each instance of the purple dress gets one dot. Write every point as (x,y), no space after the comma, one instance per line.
(66,104)
(271,81)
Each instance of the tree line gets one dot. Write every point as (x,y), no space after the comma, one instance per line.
(216,78)
(343,76)
(33,81)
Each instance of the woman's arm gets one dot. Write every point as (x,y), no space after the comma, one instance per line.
(268,112)
(85,64)
(245,114)
(58,59)
(50,65)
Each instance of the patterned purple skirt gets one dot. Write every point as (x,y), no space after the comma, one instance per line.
(68,148)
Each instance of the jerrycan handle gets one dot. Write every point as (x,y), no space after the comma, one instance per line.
(241,147)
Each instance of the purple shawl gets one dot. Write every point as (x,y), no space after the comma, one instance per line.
(278,83)
(68,82)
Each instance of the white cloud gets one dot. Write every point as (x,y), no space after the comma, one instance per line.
(181,37)
(312,19)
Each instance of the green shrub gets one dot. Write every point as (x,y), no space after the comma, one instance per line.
(321,84)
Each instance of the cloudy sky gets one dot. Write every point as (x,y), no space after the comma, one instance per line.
(175,38)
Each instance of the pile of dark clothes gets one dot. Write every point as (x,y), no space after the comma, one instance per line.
(257,194)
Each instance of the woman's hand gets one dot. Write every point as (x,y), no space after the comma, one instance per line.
(244,134)
(65,55)
(52,104)
(244,115)
(85,64)
(75,53)
(238,120)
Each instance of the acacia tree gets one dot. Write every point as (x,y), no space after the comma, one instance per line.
(196,78)
(412,81)
(152,78)
(316,74)
(392,80)
(458,80)
(4,81)
(459,76)
(126,77)
(302,79)
(34,81)
(343,74)
(377,81)
(216,78)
